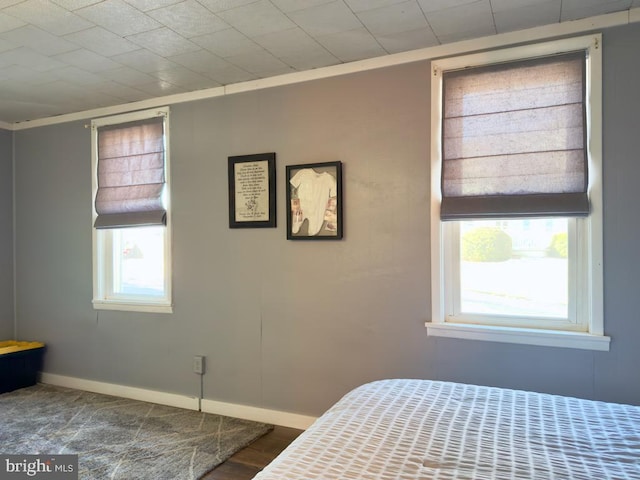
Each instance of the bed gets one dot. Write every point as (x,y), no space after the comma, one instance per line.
(421,429)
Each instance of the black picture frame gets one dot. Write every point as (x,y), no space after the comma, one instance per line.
(319,216)
(252,190)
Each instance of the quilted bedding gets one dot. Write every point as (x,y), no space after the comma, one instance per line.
(421,429)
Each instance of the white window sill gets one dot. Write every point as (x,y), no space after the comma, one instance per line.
(132,307)
(528,336)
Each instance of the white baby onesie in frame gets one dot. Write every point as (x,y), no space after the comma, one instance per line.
(314,191)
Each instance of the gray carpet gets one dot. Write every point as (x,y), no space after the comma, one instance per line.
(117,438)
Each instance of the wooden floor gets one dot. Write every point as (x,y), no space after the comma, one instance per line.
(245,464)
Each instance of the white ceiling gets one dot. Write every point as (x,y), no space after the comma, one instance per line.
(65,56)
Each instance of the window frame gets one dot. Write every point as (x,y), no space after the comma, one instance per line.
(589,251)
(102,239)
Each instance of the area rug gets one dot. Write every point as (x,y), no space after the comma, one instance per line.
(117,438)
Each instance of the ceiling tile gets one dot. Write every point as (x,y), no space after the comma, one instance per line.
(214,67)
(8,3)
(576,9)
(128,76)
(183,77)
(38,40)
(48,16)
(144,60)
(363,5)
(288,6)
(77,76)
(146,5)
(13,108)
(326,19)
(97,99)
(158,88)
(199,61)
(28,58)
(15,72)
(261,63)
(101,41)
(75,4)
(297,49)
(164,42)
(87,60)
(462,22)
(518,18)
(118,17)
(6,45)
(311,60)
(256,18)
(124,92)
(288,42)
(411,40)
(352,45)
(35,78)
(221,5)
(230,74)
(227,43)
(63,94)
(501,5)
(609,4)
(188,19)
(397,18)
(7,22)
(75,95)
(14,91)
(436,5)
(481,31)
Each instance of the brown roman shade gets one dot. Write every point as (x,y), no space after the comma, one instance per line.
(131,174)
(513,140)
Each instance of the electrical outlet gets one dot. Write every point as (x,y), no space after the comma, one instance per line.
(198,364)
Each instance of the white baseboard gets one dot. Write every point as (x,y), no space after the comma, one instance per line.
(152,396)
(285,419)
(276,417)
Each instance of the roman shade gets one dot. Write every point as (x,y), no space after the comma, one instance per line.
(513,139)
(131,174)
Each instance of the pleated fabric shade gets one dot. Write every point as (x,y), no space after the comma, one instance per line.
(131,174)
(513,140)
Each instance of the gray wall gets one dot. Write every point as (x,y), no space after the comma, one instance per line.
(6,236)
(294,325)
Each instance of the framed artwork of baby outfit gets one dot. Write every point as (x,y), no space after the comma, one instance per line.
(314,200)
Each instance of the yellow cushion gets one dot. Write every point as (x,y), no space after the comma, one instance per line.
(10,346)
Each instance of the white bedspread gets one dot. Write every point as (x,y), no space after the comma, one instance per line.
(420,429)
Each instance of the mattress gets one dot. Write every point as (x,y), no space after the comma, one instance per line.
(420,429)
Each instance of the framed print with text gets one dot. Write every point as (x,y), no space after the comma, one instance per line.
(252,191)
(314,201)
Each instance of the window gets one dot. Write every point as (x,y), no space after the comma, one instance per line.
(131,215)
(516,208)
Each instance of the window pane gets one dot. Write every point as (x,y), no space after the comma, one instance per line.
(138,263)
(515,267)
